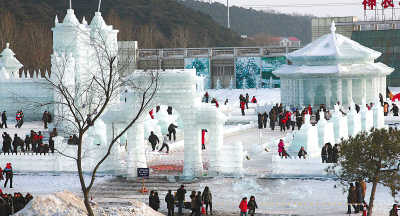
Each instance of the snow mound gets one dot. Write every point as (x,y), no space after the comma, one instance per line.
(67,203)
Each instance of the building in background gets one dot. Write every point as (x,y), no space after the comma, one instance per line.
(252,64)
(344,25)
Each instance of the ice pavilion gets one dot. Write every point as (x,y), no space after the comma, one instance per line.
(332,68)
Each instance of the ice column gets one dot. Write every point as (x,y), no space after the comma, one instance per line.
(216,135)
(112,163)
(349,91)
(367,117)
(379,118)
(136,157)
(354,121)
(339,91)
(301,92)
(339,124)
(325,131)
(328,93)
(193,165)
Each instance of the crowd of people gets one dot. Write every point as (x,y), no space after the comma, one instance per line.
(11,204)
(199,203)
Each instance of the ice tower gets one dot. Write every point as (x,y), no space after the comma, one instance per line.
(333,68)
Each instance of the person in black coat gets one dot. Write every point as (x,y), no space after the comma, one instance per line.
(172,131)
(170,200)
(395,110)
(152,203)
(324,153)
(265,119)
(302,153)
(335,153)
(169,110)
(359,196)
(199,203)
(180,196)
(3,119)
(156,201)
(51,144)
(330,153)
(153,139)
(260,121)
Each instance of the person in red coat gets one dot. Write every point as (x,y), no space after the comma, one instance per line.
(242,107)
(309,109)
(243,207)
(254,100)
(203,138)
(151,114)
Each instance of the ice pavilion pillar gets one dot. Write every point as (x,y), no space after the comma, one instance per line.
(301,92)
(136,157)
(328,93)
(349,91)
(339,91)
(364,89)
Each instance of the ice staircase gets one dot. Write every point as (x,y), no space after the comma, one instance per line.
(235,117)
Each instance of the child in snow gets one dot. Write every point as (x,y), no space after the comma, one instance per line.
(243,207)
(252,205)
(281,146)
(302,153)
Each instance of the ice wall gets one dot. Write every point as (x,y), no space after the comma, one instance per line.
(379,118)
(354,121)
(306,137)
(325,131)
(339,125)
(367,118)
(232,163)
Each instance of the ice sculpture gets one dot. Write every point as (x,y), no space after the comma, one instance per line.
(354,121)
(379,118)
(306,137)
(339,124)
(325,131)
(335,68)
(9,62)
(232,163)
(231,84)
(367,117)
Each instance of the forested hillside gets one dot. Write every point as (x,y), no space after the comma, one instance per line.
(26,24)
(251,22)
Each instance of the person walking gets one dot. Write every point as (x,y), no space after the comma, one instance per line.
(243,207)
(351,199)
(199,203)
(207,199)
(156,201)
(4,119)
(165,143)
(247,100)
(252,206)
(203,138)
(9,174)
(359,200)
(45,119)
(170,200)
(152,200)
(193,203)
(180,196)
(172,131)
(153,140)
(393,211)
(265,119)
(260,121)
(395,110)
(281,146)
(324,153)
(335,153)
(242,107)
(330,153)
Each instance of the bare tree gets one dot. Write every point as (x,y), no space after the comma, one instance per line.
(81,104)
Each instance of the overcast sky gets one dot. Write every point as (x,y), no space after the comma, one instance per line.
(321,8)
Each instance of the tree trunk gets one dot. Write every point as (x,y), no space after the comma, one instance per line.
(372,198)
(87,204)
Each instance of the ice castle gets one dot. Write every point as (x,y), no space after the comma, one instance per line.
(332,68)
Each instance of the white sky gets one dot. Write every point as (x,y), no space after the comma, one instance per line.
(321,8)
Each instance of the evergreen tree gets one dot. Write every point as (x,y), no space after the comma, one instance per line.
(372,157)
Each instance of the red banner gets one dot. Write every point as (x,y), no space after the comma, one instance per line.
(371,4)
(387,3)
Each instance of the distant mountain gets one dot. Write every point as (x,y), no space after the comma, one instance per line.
(153,23)
(251,22)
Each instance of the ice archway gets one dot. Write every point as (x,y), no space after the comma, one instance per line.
(177,88)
